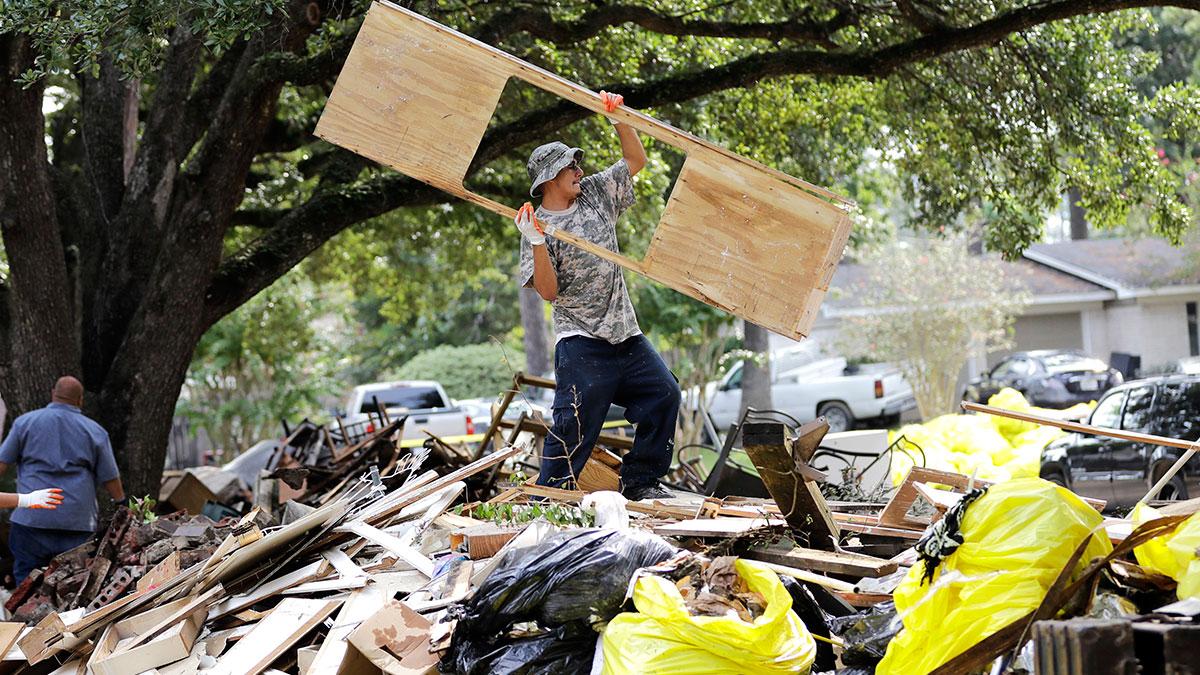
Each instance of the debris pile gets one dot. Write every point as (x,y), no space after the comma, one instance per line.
(401,559)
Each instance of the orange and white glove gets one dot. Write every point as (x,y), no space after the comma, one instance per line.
(49,498)
(611,103)
(529,226)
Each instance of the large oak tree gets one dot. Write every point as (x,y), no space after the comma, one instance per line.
(176,176)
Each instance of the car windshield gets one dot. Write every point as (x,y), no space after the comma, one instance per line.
(1062,363)
(412,398)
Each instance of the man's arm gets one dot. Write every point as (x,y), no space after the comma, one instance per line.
(545,280)
(631,148)
(631,145)
(115,489)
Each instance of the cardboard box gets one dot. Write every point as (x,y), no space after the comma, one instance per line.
(175,643)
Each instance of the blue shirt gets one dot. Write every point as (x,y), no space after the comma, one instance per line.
(58,446)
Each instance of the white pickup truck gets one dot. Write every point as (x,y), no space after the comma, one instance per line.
(806,385)
(424,402)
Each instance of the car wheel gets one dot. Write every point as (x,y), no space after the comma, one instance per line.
(837,416)
(1057,478)
(1175,490)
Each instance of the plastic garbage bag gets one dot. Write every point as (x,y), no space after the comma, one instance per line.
(1016,538)
(867,633)
(1175,555)
(571,576)
(1010,399)
(567,650)
(575,577)
(664,638)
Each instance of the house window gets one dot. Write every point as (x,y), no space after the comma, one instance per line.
(1193,329)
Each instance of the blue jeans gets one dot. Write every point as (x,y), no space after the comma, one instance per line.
(33,547)
(592,375)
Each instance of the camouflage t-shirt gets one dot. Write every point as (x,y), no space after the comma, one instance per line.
(592,298)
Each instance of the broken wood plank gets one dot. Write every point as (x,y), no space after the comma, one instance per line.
(716,527)
(801,501)
(832,562)
(291,620)
(273,587)
(403,549)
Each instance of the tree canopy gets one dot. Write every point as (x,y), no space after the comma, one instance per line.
(176,175)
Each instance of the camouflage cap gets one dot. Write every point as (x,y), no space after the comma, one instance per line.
(547,160)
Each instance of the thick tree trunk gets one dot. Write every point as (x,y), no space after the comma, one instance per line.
(40,302)
(756,378)
(538,351)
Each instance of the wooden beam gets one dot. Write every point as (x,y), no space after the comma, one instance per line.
(1078,428)
(800,501)
(833,562)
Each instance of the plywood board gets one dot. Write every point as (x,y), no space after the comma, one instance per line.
(738,235)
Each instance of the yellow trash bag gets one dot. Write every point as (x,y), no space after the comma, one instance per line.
(1175,554)
(1015,540)
(1010,399)
(663,638)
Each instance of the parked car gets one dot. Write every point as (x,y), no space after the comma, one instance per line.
(424,402)
(1189,365)
(480,410)
(1049,378)
(807,384)
(1123,471)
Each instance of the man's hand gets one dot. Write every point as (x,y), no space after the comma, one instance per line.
(611,101)
(530,228)
(49,498)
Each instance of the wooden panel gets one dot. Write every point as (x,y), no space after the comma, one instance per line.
(760,241)
(800,501)
(743,237)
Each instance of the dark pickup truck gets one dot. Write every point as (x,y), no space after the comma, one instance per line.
(1122,471)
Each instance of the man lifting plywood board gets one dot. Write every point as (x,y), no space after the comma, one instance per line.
(751,240)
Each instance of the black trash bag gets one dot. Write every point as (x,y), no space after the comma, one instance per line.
(567,650)
(814,619)
(568,582)
(572,576)
(867,633)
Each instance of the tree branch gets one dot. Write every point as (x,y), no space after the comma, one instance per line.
(304,229)
(540,23)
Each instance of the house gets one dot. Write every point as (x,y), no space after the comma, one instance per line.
(1135,296)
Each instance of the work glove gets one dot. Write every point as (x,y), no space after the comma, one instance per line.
(529,226)
(611,101)
(49,498)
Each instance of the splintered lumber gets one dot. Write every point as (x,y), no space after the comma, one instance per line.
(833,562)
(895,514)
(716,527)
(412,496)
(800,500)
(735,234)
(400,547)
(291,620)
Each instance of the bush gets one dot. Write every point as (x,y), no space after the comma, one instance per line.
(469,371)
